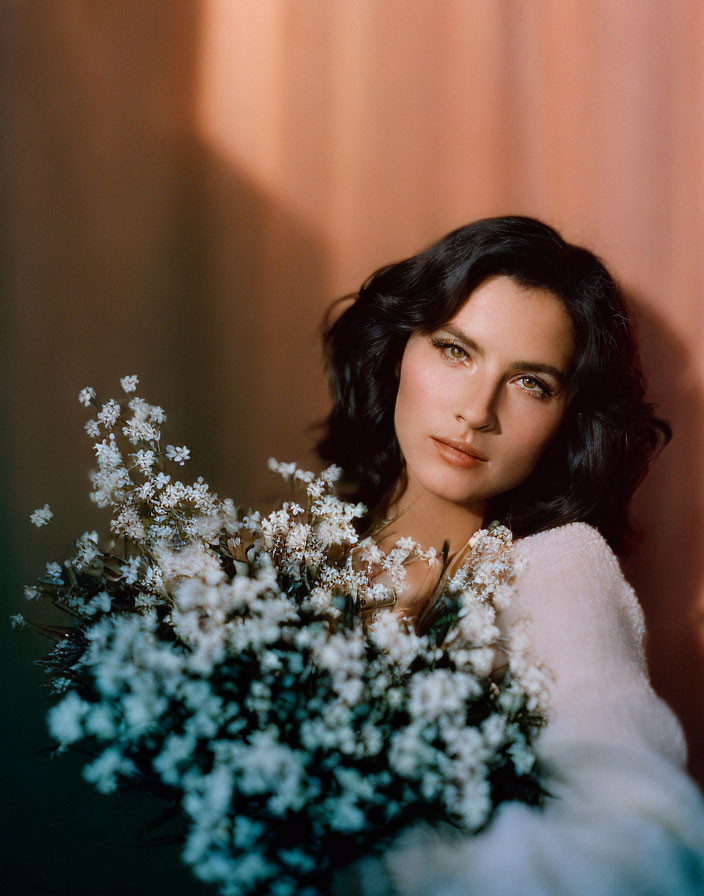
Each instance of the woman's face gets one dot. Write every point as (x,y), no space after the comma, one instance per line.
(480,398)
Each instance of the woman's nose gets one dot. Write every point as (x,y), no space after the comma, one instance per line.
(477,404)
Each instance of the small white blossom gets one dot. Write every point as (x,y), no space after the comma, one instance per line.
(85,396)
(87,551)
(108,453)
(179,455)
(284,470)
(144,460)
(54,573)
(130,524)
(41,516)
(104,771)
(92,427)
(101,603)
(145,491)
(109,413)
(156,414)
(108,483)
(100,721)
(140,431)
(471,801)
(31,592)
(130,570)
(18,620)
(129,383)
(66,718)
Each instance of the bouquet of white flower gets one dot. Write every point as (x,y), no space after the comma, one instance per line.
(248,669)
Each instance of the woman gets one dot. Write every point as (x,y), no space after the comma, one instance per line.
(495,376)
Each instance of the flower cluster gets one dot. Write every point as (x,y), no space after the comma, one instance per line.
(247,667)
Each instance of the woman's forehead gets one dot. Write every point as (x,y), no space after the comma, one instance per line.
(502,316)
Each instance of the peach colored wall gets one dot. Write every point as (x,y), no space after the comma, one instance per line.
(380,126)
(187,185)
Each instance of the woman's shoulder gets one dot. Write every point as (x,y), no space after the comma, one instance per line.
(574,536)
(574,545)
(575,562)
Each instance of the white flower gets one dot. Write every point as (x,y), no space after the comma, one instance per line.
(297,538)
(441,692)
(178,749)
(100,603)
(179,455)
(284,470)
(472,802)
(193,561)
(85,396)
(109,413)
(410,754)
(145,491)
(494,731)
(129,383)
(100,721)
(131,570)
(207,527)
(161,532)
(145,600)
(522,755)
(128,523)
(153,579)
(92,427)
(140,431)
(296,858)
(54,573)
(331,474)
(171,497)
(482,660)
(108,453)
(42,516)
(156,414)
(103,772)
(31,592)
(144,460)
(88,550)
(477,625)
(107,483)
(66,718)
(18,620)
(391,636)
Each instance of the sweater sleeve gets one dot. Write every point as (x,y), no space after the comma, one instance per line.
(624,818)
(588,629)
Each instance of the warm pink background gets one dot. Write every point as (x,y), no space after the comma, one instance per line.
(189,184)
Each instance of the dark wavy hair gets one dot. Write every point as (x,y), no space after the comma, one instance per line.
(609,434)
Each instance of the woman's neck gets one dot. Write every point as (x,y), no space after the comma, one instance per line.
(431,520)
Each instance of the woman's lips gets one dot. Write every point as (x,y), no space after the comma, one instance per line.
(457,455)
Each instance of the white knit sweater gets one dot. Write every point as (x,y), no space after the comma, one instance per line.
(625,818)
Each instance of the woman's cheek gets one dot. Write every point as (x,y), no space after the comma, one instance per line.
(421,385)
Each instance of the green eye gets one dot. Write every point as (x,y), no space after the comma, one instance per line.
(450,350)
(535,386)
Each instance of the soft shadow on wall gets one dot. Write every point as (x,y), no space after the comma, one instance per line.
(260,370)
(128,248)
(667,568)
(231,419)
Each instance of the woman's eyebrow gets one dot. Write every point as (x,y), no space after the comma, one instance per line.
(515,365)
